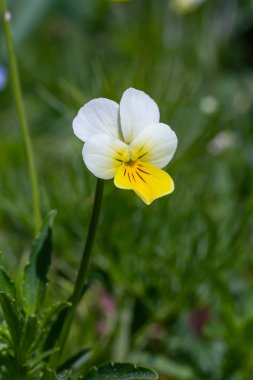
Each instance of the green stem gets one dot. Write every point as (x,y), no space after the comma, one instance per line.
(22,115)
(80,281)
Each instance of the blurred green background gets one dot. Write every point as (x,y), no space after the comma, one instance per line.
(171,283)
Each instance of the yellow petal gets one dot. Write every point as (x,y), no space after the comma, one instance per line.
(147,181)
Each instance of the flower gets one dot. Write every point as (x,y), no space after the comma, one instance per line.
(126,142)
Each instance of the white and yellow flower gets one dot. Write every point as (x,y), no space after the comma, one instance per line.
(127,142)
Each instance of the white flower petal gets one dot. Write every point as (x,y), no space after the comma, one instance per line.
(137,111)
(104,154)
(156,145)
(97,116)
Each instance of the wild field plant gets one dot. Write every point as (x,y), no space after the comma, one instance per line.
(169,285)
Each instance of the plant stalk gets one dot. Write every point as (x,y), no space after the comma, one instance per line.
(81,277)
(22,116)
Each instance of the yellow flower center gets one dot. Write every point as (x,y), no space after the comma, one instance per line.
(129,155)
(148,181)
(130,163)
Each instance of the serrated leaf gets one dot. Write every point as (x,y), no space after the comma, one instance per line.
(76,361)
(6,283)
(12,316)
(120,371)
(35,273)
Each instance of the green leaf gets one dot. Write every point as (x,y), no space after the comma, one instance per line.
(5,338)
(120,371)
(50,374)
(52,312)
(35,273)
(64,376)
(7,366)
(6,283)
(13,317)
(56,326)
(164,365)
(76,361)
(47,322)
(37,360)
(29,333)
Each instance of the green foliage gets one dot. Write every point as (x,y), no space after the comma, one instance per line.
(13,317)
(35,273)
(57,314)
(28,339)
(77,361)
(121,371)
(6,284)
(23,349)
(49,374)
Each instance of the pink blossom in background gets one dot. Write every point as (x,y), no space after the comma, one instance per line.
(107,303)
